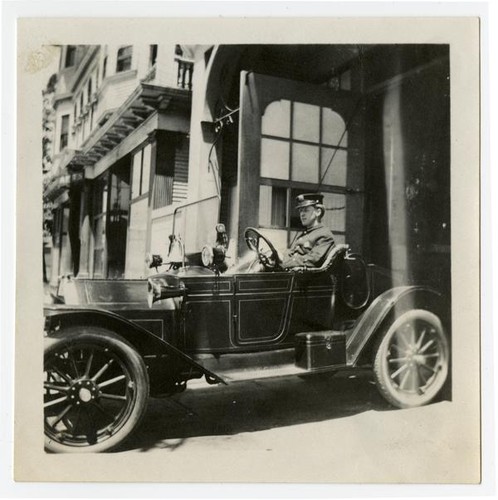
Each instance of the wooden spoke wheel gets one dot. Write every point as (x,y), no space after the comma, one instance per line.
(95,390)
(412,359)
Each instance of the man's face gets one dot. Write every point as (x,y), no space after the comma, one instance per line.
(309,216)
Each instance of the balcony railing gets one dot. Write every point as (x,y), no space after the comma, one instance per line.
(184,74)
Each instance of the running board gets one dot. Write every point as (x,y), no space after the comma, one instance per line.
(261,365)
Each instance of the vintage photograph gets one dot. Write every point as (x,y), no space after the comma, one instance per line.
(289,214)
(248,247)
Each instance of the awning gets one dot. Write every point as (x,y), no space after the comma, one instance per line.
(143,102)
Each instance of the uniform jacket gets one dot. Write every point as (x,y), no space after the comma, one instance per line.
(310,248)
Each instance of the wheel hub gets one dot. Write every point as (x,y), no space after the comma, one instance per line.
(418,358)
(83,391)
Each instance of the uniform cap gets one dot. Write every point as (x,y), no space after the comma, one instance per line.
(309,199)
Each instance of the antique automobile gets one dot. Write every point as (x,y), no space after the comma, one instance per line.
(110,344)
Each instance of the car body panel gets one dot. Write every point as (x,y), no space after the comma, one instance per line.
(393,301)
(145,342)
(205,313)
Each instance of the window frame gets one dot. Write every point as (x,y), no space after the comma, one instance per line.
(153,55)
(64,132)
(291,140)
(143,179)
(291,185)
(123,59)
(70,56)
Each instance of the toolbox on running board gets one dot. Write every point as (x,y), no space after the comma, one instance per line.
(318,350)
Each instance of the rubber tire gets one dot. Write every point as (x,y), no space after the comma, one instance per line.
(134,363)
(382,377)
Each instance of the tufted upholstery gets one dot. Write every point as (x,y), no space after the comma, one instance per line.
(333,254)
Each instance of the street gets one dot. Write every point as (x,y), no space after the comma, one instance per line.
(330,429)
(256,415)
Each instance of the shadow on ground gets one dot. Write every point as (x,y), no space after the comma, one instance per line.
(253,406)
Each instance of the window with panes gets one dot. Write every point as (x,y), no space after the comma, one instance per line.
(303,147)
(141,163)
(124,59)
(64,137)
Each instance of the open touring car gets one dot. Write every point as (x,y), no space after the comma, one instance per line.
(110,344)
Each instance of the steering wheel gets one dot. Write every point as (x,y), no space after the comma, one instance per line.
(267,255)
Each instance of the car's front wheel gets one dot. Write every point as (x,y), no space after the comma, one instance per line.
(95,390)
(411,362)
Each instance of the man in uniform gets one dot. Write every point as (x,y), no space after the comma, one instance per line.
(310,248)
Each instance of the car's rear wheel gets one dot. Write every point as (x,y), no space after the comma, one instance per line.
(95,390)
(411,362)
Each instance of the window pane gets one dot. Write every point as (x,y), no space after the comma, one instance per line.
(64,131)
(279,207)
(146,169)
(137,172)
(124,58)
(274,159)
(153,55)
(276,119)
(333,127)
(335,211)
(120,196)
(306,122)
(304,163)
(264,205)
(336,171)
(272,206)
(70,56)
(65,124)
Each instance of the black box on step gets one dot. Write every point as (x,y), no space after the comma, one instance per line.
(319,350)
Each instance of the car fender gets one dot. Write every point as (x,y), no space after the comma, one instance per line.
(389,304)
(146,343)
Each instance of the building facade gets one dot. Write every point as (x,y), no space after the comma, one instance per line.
(120,113)
(154,140)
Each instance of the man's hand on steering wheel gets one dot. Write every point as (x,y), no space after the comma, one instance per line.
(266,260)
(253,238)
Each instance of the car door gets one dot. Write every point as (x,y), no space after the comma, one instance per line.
(208,314)
(262,309)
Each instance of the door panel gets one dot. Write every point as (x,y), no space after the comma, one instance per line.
(208,324)
(262,304)
(209,314)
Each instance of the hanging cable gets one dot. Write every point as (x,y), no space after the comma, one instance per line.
(346,128)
